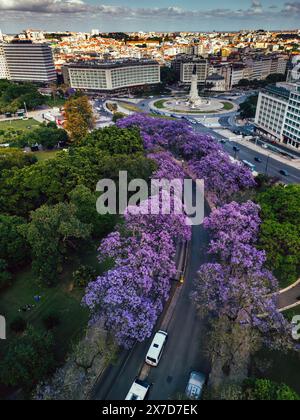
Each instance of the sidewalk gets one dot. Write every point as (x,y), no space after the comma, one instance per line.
(289,297)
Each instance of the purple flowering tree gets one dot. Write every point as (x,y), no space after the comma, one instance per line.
(237,291)
(131,296)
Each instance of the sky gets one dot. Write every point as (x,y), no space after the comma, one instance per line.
(147,15)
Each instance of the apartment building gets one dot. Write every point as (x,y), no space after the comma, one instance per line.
(184,66)
(4,72)
(30,62)
(278,114)
(112,76)
(291,130)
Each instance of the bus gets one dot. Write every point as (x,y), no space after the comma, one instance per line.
(249,165)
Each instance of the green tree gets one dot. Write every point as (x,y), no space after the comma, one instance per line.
(115,141)
(280,230)
(50,233)
(28,359)
(13,246)
(248,108)
(5,275)
(85,202)
(79,118)
(266,390)
(13,158)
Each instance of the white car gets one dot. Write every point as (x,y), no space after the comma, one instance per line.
(138,391)
(156,349)
(195,386)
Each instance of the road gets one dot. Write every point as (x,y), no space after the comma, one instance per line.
(184,350)
(272,167)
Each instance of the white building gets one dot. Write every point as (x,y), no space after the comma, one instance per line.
(4,72)
(112,75)
(30,62)
(186,71)
(291,130)
(278,114)
(216,82)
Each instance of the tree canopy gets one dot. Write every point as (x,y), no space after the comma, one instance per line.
(280,230)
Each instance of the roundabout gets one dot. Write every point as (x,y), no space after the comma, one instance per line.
(193,103)
(183,106)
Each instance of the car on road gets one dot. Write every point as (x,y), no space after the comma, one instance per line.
(283,172)
(138,391)
(156,349)
(195,386)
(236,149)
(258,159)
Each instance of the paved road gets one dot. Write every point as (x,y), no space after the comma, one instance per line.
(184,350)
(248,154)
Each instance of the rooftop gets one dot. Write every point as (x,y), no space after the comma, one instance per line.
(110,64)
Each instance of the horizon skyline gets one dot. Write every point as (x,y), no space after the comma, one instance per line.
(160,16)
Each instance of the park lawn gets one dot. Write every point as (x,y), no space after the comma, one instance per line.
(160,104)
(19,124)
(130,107)
(63,301)
(227,106)
(45,155)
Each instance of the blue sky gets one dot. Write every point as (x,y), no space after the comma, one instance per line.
(146,15)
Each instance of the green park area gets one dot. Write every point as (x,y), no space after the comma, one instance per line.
(10,130)
(61,301)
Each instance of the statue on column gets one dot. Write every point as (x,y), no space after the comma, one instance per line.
(194,98)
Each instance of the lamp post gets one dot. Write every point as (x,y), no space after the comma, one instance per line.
(267,165)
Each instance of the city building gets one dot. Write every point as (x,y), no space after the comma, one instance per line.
(184,66)
(216,83)
(30,62)
(291,130)
(109,76)
(278,114)
(4,72)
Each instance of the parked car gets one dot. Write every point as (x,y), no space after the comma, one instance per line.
(138,391)
(156,349)
(284,172)
(195,385)
(258,159)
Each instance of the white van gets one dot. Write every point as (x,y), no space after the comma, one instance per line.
(138,391)
(156,349)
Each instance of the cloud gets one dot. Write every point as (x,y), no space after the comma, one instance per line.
(80,9)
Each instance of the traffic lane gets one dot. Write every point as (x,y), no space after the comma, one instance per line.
(185,349)
(248,154)
(274,166)
(118,378)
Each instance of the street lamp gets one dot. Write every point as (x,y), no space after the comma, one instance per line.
(267,165)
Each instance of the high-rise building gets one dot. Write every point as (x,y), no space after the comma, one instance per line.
(184,66)
(4,72)
(278,114)
(30,62)
(291,130)
(112,76)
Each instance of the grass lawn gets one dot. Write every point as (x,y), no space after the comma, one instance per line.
(45,155)
(160,104)
(129,107)
(227,106)
(62,301)
(19,124)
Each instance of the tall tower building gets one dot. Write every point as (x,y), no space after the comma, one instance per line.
(29,62)
(4,72)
